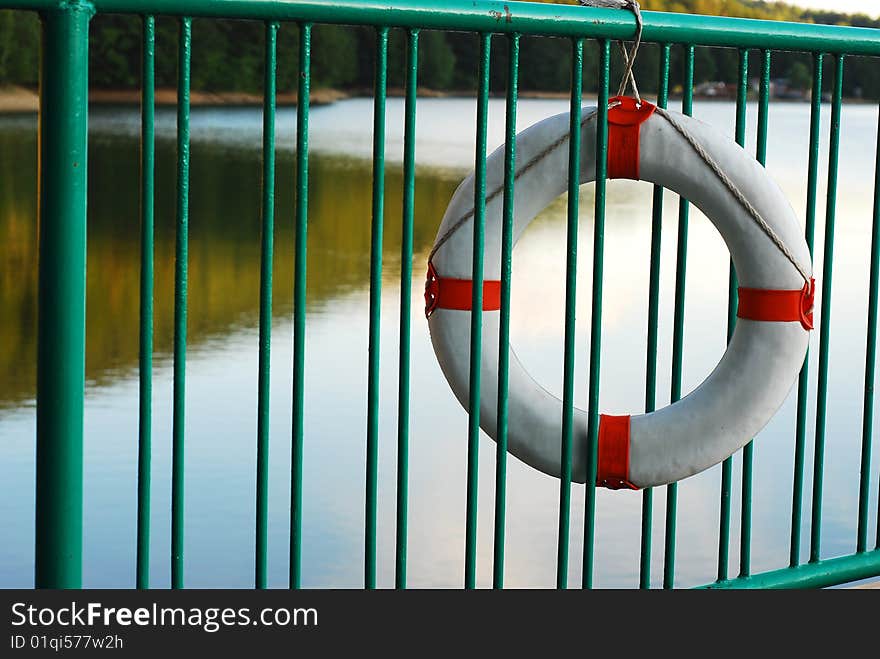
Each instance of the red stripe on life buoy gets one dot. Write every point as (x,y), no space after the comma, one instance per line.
(778,306)
(624,123)
(447,293)
(613,464)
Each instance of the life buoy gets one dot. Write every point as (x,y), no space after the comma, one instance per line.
(763,357)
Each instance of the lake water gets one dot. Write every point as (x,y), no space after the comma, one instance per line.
(222,358)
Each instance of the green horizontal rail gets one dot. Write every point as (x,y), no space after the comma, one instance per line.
(509,17)
(819,574)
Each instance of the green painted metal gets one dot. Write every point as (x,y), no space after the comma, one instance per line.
(378,225)
(732,295)
(62,259)
(825,315)
(406,256)
(797,495)
(299,303)
(62,297)
(748,453)
(267,246)
(870,365)
(473,451)
(525,18)
(181,258)
(816,574)
(687,108)
(596,315)
(504,327)
(653,323)
(763,109)
(574,177)
(145,343)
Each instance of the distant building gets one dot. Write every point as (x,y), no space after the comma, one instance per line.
(781,88)
(714,89)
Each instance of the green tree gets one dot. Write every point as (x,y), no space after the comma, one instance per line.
(397,42)
(228,55)
(545,64)
(19,41)
(334,56)
(114,51)
(800,76)
(7,28)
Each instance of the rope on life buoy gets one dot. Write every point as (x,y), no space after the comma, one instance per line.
(629,78)
(736,192)
(629,57)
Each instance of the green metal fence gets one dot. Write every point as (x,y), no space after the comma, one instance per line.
(62,236)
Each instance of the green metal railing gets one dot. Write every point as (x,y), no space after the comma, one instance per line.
(63,144)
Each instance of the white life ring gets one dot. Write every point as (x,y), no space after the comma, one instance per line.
(764,355)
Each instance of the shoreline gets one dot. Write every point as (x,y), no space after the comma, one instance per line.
(21,100)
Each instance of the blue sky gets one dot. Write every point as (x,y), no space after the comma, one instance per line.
(870,7)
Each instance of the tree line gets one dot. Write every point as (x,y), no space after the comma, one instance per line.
(228,55)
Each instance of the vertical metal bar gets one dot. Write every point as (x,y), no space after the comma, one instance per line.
(504,327)
(803,379)
(406,255)
(653,320)
(145,357)
(63,133)
(732,295)
(299,301)
(470,550)
(375,305)
(825,317)
(763,108)
(574,177)
(180,303)
(596,319)
(870,364)
(265,340)
(748,454)
(687,107)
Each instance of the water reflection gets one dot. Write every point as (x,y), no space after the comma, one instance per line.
(225,225)
(221,384)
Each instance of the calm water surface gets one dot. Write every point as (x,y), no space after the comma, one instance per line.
(222,358)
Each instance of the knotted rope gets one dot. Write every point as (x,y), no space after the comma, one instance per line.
(629,57)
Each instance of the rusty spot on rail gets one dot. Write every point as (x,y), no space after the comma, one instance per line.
(506,15)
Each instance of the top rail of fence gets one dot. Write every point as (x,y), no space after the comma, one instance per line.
(507,17)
